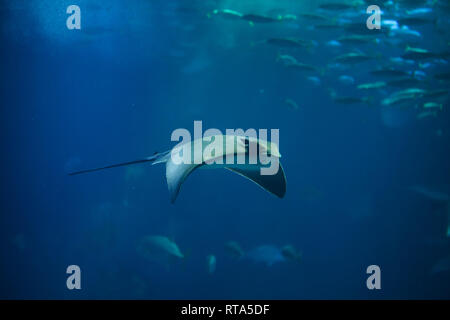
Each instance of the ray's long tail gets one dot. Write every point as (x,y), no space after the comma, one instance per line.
(156,158)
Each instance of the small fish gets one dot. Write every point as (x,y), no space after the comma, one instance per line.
(403,96)
(418,50)
(333,43)
(419,11)
(373,85)
(352,58)
(432,105)
(419,75)
(302,66)
(395,100)
(401,61)
(291,104)
(288,17)
(286,59)
(314,80)
(426,114)
(391,24)
(416,91)
(418,55)
(404,31)
(228,14)
(158,248)
(211,263)
(425,65)
(347,80)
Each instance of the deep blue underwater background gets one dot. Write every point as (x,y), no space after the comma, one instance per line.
(115,90)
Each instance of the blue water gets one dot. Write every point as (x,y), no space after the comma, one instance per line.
(137,70)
